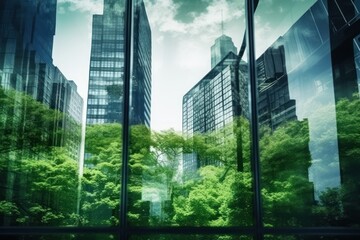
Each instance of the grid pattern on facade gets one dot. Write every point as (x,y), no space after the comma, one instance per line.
(105,94)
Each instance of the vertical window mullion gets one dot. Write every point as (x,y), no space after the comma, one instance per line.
(128,39)
(255,163)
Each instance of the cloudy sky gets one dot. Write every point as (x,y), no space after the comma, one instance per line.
(182,34)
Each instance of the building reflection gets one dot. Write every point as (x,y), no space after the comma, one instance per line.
(308,74)
(40,116)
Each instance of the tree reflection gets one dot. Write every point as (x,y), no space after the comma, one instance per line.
(40,181)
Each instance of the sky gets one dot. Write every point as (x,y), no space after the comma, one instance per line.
(183,32)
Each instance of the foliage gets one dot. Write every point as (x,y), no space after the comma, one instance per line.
(46,196)
(101,187)
(286,190)
(39,181)
(25,124)
(348,118)
(222,196)
(42,181)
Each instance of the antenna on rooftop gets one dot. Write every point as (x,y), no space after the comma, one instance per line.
(222,22)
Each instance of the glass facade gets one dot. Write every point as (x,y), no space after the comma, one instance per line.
(106,65)
(303,88)
(40,121)
(212,105)
(210,119)
(106,78)
(222,46)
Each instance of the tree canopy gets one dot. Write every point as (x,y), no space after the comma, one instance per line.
(42,185)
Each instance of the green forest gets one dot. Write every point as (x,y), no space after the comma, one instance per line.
(43,185)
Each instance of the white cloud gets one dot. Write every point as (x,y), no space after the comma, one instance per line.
(215,13)
(93,6)
(162,16)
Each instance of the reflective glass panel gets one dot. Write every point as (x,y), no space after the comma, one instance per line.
(40,121)
(308,102)
(52,172)
(189,135)
(101,179)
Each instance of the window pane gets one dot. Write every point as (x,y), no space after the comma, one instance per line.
(308,112)
(101,179)
(189,145)
(47,178)
(40,121)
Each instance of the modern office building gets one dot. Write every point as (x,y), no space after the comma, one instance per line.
(26,42)
(302,78)
(300,181)
(106,79)
(26,46)
(107,66)
(140,94)
(274,103)
(207,109)
(42,108)
(67,100)
(222,46)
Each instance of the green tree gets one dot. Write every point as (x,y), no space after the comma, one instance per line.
(286,190)
(222,195)
(48,191)
(102,174)
(25,124)
(348,126)
(100,182)
(28,133)
(141,167)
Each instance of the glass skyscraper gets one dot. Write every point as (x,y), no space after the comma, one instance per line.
(207,109)
(275,105)
(105,93)
(270,143)
(40,109)
(26,66)
(222,46)
(26,46)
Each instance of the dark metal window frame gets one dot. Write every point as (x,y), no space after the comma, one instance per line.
(124,231)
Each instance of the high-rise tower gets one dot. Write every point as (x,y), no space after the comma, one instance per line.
(206,109)
(107,66)
(222,46)
(26,66)
(40,109)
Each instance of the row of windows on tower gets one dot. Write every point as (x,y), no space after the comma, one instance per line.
(99,36)
(111,54)
(108,46)
(107,64)
(111,74)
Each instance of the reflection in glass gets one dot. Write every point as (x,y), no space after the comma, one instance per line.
(356,44)
(40,121)
(307,81)
(200,177)
(100,189)
(189,161)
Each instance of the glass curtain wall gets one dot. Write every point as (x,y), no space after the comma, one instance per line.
(308,101)
(167,119)
(40,121)
(101,177)
(189,150)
